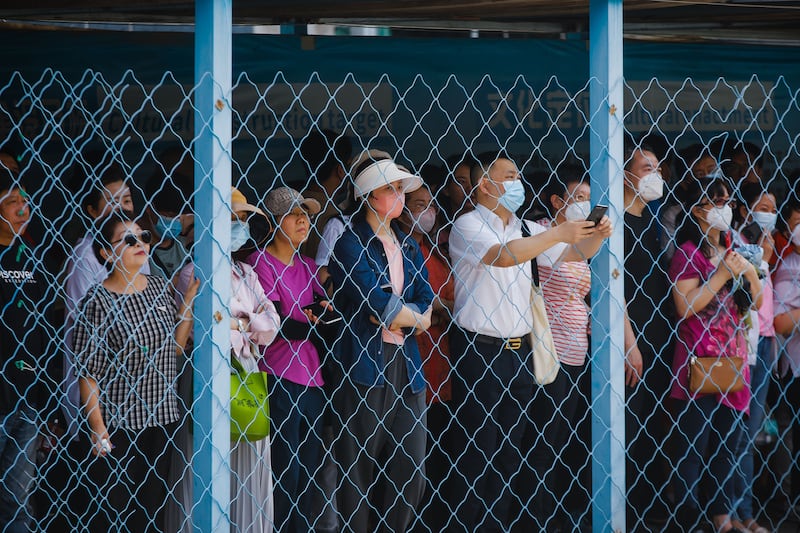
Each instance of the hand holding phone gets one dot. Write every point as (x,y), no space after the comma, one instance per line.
(597,214)
(752,232)
(323,313)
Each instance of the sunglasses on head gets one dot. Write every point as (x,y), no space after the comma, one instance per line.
(131,239)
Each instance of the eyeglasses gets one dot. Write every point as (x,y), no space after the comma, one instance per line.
(131,239)
(721,202)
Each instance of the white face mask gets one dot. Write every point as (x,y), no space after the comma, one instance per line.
(767,221)
(578,210)
(720,217)
(796,235)
(651,187)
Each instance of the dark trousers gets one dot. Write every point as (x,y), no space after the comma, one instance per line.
(492,388)
(707,437)
(792,399)
(86,489)
(138,482)
(552,415)
(380,449)
(296,447)
(18,433)
(438,466)
(647,423)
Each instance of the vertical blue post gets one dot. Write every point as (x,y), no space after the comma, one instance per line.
(608,370)
(213,58)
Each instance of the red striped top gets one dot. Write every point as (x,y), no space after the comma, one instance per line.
(565,286)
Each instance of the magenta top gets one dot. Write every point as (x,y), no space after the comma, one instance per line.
(291,287)
(714,331)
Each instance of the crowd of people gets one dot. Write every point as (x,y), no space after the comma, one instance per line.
(391,312)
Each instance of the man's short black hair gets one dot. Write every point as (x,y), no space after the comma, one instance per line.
(323,150)
(753,152)
(631,147)
(92,173)
(483,163)
(455,161)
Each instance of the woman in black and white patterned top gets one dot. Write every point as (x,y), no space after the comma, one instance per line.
(127,340)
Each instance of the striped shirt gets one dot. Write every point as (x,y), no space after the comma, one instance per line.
(126,343)
(565,286)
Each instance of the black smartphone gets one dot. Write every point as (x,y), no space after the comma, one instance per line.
(752,232)
(323,314)
(598,212)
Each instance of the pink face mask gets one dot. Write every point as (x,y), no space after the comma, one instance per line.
(424,222)
(389,205)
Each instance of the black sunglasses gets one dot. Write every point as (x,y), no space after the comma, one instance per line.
(130,239)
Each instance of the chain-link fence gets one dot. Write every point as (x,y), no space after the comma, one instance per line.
(397,357)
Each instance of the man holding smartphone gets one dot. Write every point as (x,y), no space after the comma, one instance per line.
(492,379)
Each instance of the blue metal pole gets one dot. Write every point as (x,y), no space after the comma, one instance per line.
(608,370)
(213,58)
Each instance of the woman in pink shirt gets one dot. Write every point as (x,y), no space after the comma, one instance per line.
(296,399)
(709,426)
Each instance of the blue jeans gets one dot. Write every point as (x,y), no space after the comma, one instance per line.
(759,384)
(17,465)
(296,445)
(707,438)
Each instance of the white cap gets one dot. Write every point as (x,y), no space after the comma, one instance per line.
(373,173)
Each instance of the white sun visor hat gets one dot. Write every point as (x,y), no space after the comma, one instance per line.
(374,174)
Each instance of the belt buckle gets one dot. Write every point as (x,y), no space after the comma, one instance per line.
(513,344)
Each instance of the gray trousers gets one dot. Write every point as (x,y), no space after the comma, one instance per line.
(380,450)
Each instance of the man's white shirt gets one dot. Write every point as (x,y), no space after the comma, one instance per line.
(490,300)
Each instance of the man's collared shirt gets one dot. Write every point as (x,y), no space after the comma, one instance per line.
(490,300)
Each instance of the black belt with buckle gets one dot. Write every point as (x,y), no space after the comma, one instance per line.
(511,343)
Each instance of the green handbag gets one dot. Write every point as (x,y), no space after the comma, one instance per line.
(249,404)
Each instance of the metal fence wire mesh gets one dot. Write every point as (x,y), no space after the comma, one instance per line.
(381,284)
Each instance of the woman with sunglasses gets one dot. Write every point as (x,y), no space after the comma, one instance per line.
(128,337)
(713,288)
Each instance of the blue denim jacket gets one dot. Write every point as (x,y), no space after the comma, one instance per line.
(360,273)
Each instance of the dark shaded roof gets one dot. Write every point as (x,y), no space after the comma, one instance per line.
(765,20)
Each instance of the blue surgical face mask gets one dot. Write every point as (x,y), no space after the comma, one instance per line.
(169,228)
(240,233)
(765,220)
(514,196)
